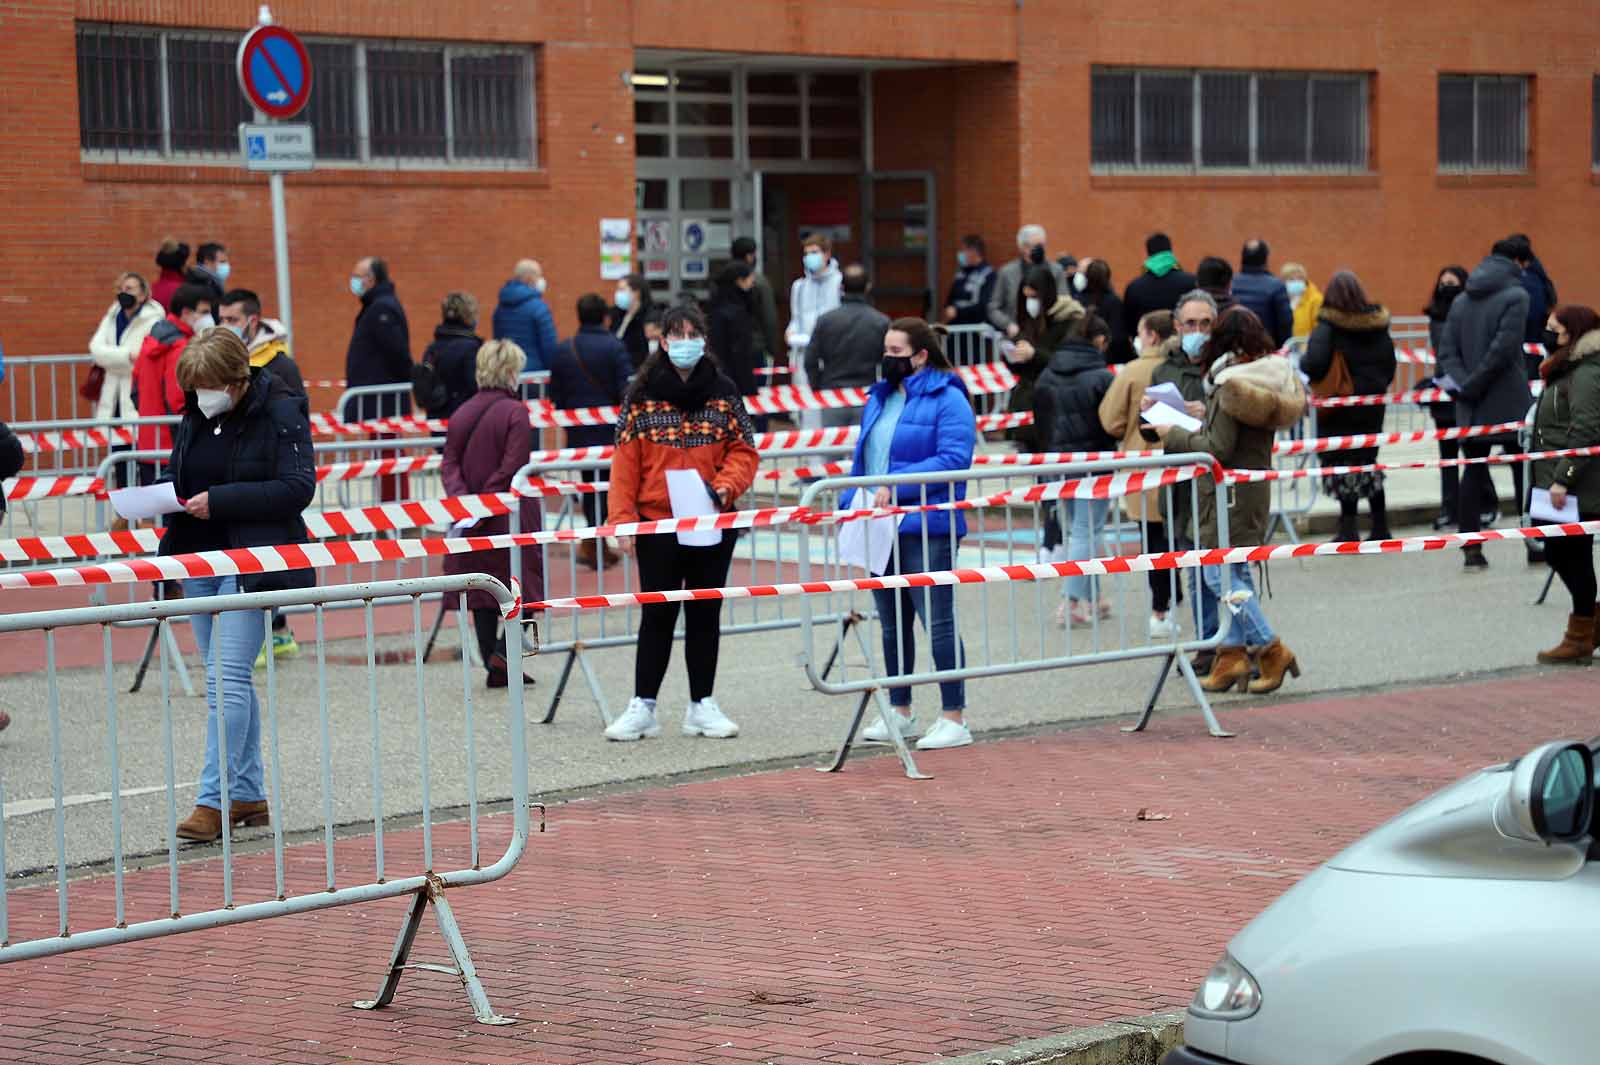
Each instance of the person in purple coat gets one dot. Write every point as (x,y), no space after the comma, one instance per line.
(488,441)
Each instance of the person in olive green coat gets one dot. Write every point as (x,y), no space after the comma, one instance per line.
(1568,416)
(1250,394)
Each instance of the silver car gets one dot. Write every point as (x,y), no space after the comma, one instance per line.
(1463,932)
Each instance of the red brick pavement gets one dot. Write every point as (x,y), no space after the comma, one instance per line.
(791,916)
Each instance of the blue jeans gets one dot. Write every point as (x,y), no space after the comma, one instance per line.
(937,609)
(239,638)
(1250,628)
(1084,519)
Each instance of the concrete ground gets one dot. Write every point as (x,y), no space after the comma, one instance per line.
(1354,622)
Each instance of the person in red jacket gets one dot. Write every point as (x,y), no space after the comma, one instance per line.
(155,372)
(681,413)
(172,258)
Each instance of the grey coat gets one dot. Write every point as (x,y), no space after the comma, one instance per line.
(1482,345)
(1008,291)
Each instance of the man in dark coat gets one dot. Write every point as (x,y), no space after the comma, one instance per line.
(1158,288)
(1481,355)
(1541,298)
(973,287)
(211,269)
(769,343)
(590,369)
(379,354)
(1258,291)
(847,344)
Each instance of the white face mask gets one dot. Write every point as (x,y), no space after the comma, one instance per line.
(1033,306)
(202,323)
(655,346)
(539,286)
(1080,281)
(213,401)
(1138,345)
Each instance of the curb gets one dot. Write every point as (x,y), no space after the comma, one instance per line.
(1133,1041)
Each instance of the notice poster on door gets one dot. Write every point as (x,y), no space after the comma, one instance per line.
(616,248)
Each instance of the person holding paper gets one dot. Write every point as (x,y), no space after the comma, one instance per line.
(242,466)
(682,415)
(919,419)
(1447,286)
(1154,340)
(486,442)
(1250,394)
(1568,416)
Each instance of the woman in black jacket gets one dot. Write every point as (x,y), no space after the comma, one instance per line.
(1451,282)
(1353,327)
(626,320)
(453,357)
(1093,285)
(733,325)
(242,463)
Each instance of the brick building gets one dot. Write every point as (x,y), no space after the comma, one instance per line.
(456,138)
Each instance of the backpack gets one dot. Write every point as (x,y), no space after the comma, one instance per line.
(427,389)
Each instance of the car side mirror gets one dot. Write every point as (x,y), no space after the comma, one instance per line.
(1550,798)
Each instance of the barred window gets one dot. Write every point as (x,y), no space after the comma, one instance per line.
(1483,123)
(148,94)
(1185,121)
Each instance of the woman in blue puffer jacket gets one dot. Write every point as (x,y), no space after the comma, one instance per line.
(919,420)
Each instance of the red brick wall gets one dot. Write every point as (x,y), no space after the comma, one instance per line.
(1009,141)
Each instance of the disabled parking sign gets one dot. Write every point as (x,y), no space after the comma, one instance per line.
(274,71)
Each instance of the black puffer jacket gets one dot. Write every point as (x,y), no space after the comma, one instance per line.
(379,353)
(271,478)
(1368,349)
(454,358)
(11,458)
(1482,345)
(1066,399)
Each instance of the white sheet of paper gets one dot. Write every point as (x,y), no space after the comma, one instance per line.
(1543,513)
(463,525)
(691,500)
(1447,383)
(1167,393)
(868,543)
(145,501)
(1161,414)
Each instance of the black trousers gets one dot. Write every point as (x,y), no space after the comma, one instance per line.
(594,503)
(1572,557)
(666,565)
(1477,491)
(486,626)
(1161,580)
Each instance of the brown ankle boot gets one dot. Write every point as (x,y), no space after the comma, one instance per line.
(1576,647)
(202,826)
(587,553)
(1231,668)
(1273,660)
(249,814)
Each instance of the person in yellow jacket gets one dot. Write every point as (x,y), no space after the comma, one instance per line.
(1304,296)
(1155,339)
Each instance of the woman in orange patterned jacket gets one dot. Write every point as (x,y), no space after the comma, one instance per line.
(681,413)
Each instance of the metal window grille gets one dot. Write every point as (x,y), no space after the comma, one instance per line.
(1483,123)
(152,94)
(1184,121)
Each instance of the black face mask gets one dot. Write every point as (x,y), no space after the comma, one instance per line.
(1036,256)
(126,300)
(1550,341)
(895,370)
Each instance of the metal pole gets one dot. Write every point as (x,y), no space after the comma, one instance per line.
(280,252)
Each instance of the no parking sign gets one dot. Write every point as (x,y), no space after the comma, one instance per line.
(274,71)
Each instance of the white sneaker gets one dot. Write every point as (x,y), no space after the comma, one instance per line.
(945,733)
(877,733)
(705,718)
(1163,628)
(637,722)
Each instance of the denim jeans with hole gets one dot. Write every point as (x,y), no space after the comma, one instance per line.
(239,636)
(1250,626)
(937,609)
(1085,521)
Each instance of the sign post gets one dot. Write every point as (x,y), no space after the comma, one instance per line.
(275,74)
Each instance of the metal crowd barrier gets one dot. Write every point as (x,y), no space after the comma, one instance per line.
(763,555)
(1007,630)
(44,387)
(317,795)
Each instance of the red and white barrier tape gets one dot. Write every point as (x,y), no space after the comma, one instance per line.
(1421,395)
(1253,476)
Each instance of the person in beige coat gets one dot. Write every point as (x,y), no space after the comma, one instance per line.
(1154,339)
(116,343)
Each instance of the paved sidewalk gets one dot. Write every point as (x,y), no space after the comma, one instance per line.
(792,916)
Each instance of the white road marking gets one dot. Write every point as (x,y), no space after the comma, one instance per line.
(24,807)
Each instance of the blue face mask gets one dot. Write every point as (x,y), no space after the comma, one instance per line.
(1296,289)
(1193,343)
(814,262)
(222,271)
(686,352)
(624,298)
(357,287)
(961,258)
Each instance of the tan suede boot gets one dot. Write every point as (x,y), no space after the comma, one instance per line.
(1231,669)
(1273,661)
(1576,647)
